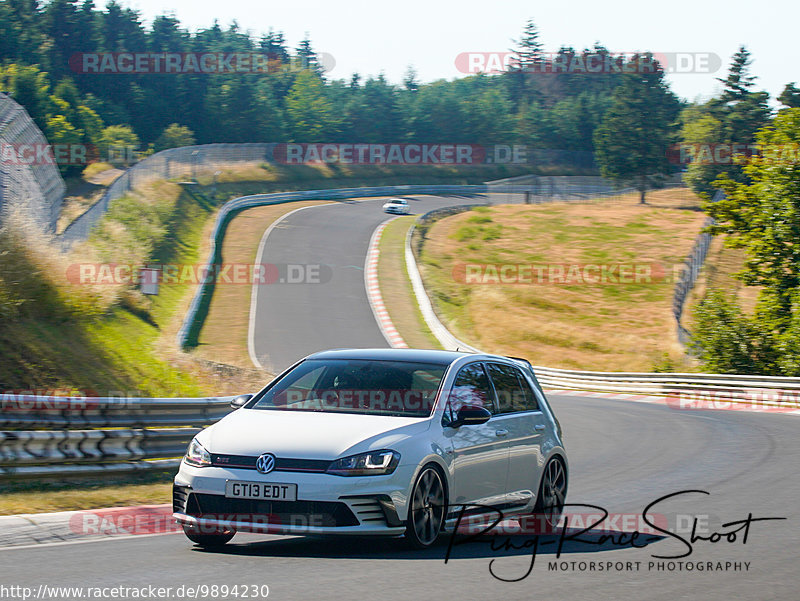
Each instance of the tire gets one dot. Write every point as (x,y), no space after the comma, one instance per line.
(208,540)
(427,510)
(552,493)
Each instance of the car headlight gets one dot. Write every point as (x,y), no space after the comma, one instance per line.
(196,455)
(374,463)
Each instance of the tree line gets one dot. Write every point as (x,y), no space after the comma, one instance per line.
(627,118)
(295,100)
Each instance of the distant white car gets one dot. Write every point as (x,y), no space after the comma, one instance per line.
(398,206)
(376,441)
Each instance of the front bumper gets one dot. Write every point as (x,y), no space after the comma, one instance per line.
(326,504)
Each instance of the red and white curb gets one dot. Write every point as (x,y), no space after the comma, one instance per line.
(374,291)
(688,404)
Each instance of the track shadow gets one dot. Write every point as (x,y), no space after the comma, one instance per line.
(489,547)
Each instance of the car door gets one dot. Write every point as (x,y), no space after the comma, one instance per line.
(480,455)
(525,427)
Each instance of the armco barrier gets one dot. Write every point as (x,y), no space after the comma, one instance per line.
(73,413)
(187,335)
(72,449)
(86,436)
(664,383)
(91,446)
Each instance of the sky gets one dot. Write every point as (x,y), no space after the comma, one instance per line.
(387,37)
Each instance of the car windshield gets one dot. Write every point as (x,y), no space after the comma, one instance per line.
(367,387)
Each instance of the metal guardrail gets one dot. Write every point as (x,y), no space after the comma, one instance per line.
(28,412)
(91,446)
(75,449)
(666,383)
(192,322)
(84,436)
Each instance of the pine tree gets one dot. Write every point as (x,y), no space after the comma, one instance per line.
(274,46)
(306,58)
(525,72)
(790,96)
(631,141)
(739,81)
(410,81)
(529,48)
(739,112)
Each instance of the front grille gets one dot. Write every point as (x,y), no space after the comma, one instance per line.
(282,464)
(294,513)
(179,494)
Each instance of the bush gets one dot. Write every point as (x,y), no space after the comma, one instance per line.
(174,136)
(728,341)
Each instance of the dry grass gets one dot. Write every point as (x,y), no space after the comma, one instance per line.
(87,494)
(396,290)
(224,335)
(101,173)
(609,327)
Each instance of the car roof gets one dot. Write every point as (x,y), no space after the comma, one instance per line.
(393,354)
(412,355)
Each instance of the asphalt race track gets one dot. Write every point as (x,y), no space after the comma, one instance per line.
(293,320)
(624,455)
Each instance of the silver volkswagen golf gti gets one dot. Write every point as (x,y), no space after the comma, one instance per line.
(383,441)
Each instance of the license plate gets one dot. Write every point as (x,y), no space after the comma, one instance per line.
(275,491)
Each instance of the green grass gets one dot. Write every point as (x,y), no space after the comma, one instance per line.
(398,296)
(102,340)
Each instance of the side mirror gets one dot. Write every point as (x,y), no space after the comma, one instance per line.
(240,400)
(470,415)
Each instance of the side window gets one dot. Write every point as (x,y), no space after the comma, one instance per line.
(511,395)
(531,403)
(471,387)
